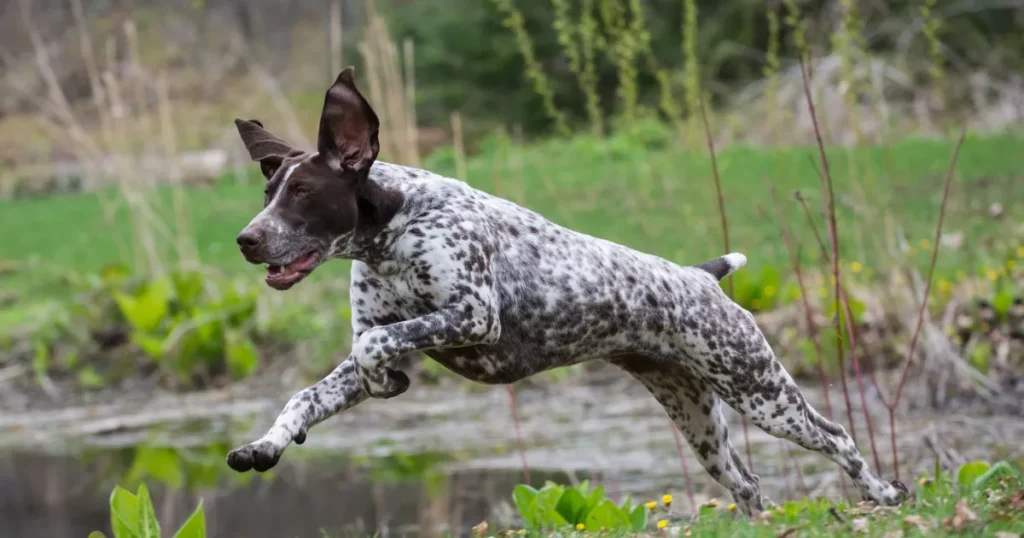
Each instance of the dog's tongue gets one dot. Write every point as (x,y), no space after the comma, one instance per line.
(279,271)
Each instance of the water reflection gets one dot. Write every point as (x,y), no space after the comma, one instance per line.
(320,495)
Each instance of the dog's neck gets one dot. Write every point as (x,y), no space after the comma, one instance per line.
(389,207)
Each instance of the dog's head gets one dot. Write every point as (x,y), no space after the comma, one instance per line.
(314,201)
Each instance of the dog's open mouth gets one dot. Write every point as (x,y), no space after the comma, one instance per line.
(282,277)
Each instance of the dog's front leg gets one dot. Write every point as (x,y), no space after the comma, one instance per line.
(337,392)
(457,325)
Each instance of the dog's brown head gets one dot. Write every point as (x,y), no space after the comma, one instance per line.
(314,201)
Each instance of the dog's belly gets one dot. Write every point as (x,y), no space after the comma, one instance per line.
(507,361)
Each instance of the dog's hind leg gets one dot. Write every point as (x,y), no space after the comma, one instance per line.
(743,370)
(697,411)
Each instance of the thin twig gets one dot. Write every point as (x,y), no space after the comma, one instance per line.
(829,205)
(812,327)
(891,405)
(519,432)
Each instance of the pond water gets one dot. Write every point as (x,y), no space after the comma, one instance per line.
(434,461)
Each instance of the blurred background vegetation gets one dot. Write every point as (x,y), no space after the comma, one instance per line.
(123,185)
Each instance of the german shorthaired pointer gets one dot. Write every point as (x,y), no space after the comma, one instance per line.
(497,293)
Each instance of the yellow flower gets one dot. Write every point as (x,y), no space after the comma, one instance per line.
(856,267)
(732,507)
(580,526)
(602,528)
(652,505)
(922,481)
(945,286)
(992,275)
(521,531)
(925,244)
(769,290)
(662,524)
(667,499)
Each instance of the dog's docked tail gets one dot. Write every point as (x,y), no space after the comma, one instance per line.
(723,266)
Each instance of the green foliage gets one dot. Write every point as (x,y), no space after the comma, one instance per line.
(132,516)
(555,506)
(189,324)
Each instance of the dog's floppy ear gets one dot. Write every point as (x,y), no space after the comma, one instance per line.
(264,147)
(348,127)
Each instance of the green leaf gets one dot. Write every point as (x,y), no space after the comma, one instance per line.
(124,513)
(596,496)
(97,534)
(149,527)
(148,307)
(151,345)
(241,355)
(523,497)
(188,286)
(999,469)
(1002,302)
(969,472)
(89,379)
(162,464)
(195,525)
(638,518)
(572,506)
(543,509)
(607,515)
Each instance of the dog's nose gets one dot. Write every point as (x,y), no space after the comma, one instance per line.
(249,238)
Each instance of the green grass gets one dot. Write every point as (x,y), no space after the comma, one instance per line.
(651,198)
(996,509)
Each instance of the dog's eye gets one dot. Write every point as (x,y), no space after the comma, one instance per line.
(299,190)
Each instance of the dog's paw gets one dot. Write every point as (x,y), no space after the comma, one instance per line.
(902,493)
(261,456)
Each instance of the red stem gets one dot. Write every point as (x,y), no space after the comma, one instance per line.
(924,302)
(840,298)
(812,328)
(519,432)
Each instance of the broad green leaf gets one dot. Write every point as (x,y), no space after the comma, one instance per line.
(572,506)
(607,515)
(195,525)
(241,355)
(1002,302)
(596,496)
(124,513)
(969,472)
(996,471)
(148,307)
(160,463)
(97,534)
(151,345)
(523,497)
(149,527)
(188,285)
(638,518)
(543,509)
